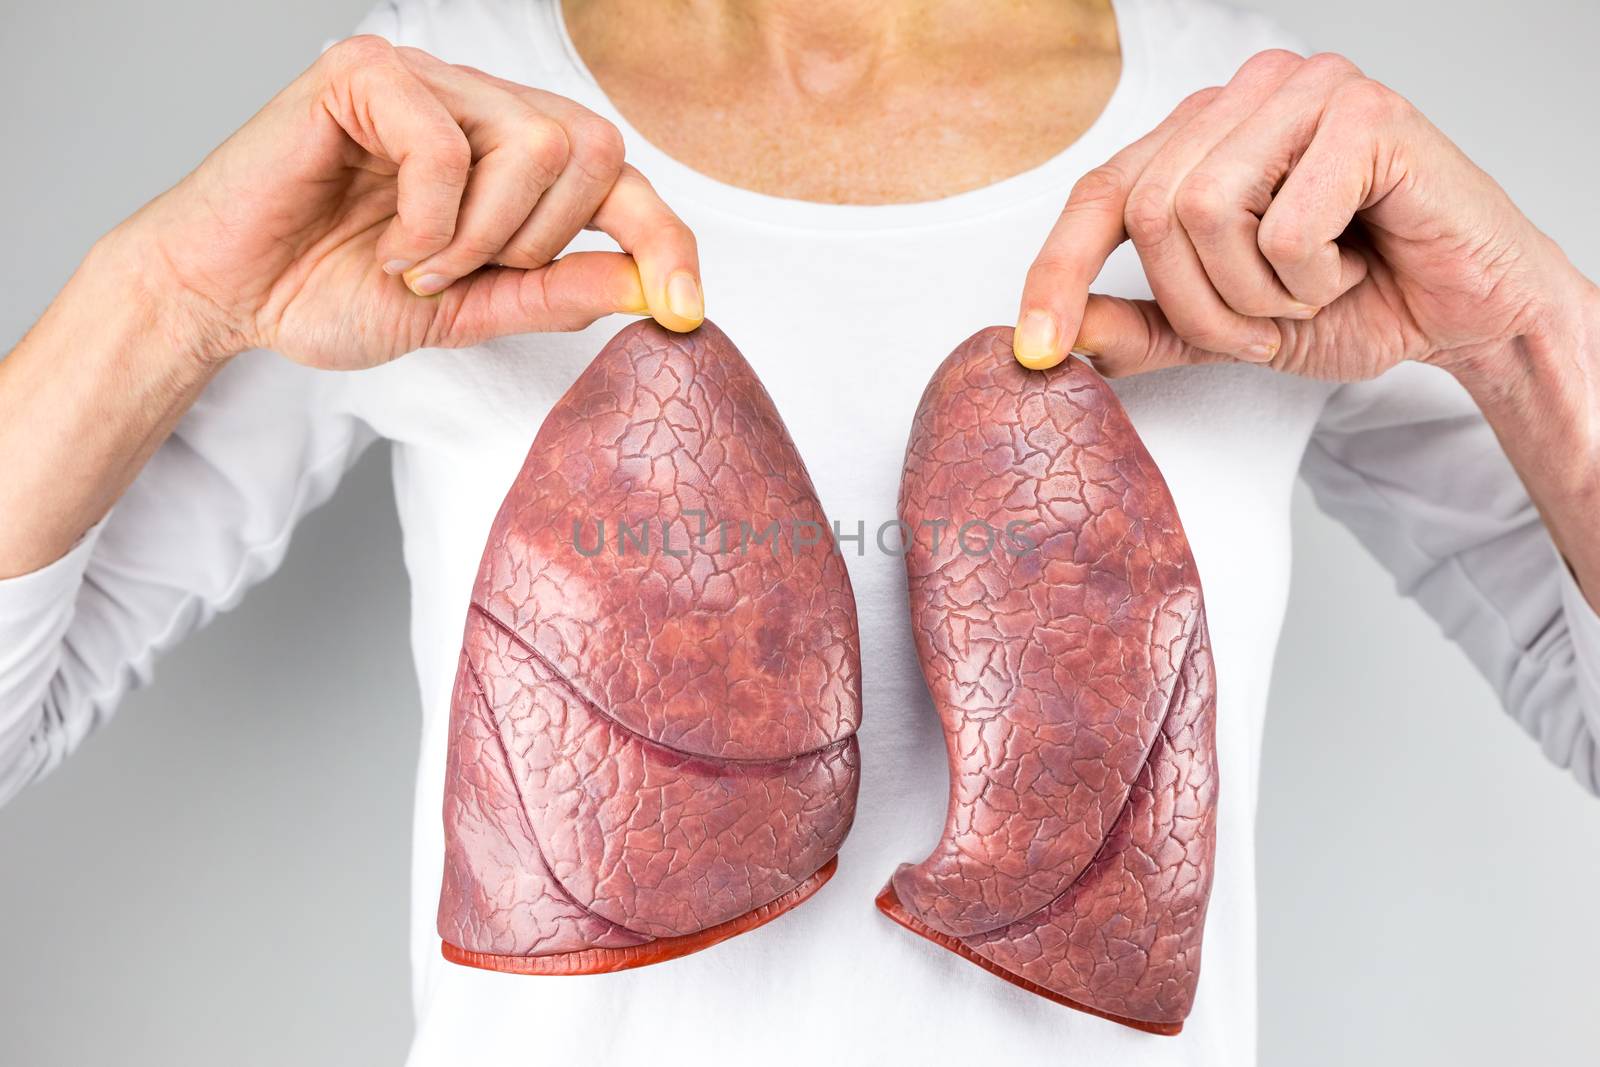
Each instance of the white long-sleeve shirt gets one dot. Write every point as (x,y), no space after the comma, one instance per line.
(844,311)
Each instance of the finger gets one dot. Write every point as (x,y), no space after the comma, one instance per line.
(386,110)
(1232,189)
(1223,230)
(504,187)
(1088,230)
(1335,178)
(519,151)
(1125,337)
(1178,279)
(593,166)
(1219,199)
(662,246)
(568,294)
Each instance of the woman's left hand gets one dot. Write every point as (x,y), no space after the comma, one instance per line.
(1302,216)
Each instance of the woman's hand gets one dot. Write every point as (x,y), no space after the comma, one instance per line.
(384,201)
(387,201)
(1305,217)
(1302,216)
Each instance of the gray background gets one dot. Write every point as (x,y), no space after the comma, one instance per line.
(216,880)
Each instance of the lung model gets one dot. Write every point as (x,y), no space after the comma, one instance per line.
(1062,633)
(652,740)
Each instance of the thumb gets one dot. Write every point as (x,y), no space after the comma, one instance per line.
(1122,337)
(564,295)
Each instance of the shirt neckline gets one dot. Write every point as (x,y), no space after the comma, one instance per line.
(678,182)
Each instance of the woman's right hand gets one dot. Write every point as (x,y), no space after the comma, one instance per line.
(387,201)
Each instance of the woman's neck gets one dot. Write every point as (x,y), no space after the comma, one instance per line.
(797,97)
(829,48)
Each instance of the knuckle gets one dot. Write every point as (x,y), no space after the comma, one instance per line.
(432,232)
(1370,102)
(1202,203)
(1271,62)
(1198,99)
(534,144)
(474,247)
(546,146)
(527,252)
(1281,57)
(1160,333)
(1285,240)
(450,154)
(535,298)
(1148,217)
(362,50)
(413,56)
(1047,274)
(1318,287)
(1099,187)
(597,147)
(673,230)
(1319,294)
(1330,65)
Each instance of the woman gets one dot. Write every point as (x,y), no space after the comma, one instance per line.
(855,188)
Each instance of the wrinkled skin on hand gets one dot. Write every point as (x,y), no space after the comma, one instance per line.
(653,735)
(1071,668)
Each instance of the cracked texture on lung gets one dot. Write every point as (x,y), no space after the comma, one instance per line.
(655,735)
(1072,672)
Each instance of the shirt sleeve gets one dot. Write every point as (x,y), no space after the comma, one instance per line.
(208,517)
(1410,466)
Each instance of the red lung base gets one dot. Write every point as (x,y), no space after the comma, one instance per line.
(653,727)
(1071,669)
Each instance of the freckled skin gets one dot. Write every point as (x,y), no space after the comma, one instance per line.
(648,747)
(966,96)
(1076,690)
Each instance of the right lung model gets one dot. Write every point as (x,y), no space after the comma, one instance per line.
(652,740)
(1062,635)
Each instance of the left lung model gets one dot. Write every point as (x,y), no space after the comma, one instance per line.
(1059,620)
(652,740)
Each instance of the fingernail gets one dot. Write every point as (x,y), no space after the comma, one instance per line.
(1260,353)
(683,297)
(1035,343)
(1302,311)
(429,284)
(397,266)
